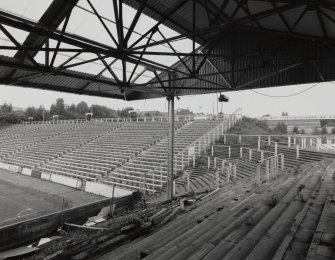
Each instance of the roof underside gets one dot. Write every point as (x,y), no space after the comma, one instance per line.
(162,48)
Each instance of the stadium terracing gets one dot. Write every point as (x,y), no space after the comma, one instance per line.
(270,211)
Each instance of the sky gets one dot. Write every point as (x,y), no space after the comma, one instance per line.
(316,100)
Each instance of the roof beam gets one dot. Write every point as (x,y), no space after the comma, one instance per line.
(53,16)
(165,17)
(75,40)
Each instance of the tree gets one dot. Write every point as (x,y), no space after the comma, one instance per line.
(6,108)
(103,112)
(183,111)
(281,128)
(315,131)
(58,108)
(8,116)
(82,108)
(295,130)
(152,113)
(31,112)
(125,112)
(324,130)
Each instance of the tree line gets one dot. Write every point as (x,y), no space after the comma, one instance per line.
(73,111)
(64,111)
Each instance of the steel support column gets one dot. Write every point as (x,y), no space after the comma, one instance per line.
(170,149)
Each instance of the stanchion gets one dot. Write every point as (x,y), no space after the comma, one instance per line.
(214,164)
(228,174)
(193,160)
(217,179)
(259,143)
(258,175)
(267,170)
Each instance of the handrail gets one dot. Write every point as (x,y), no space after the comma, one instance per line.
(188,117)
(215,132)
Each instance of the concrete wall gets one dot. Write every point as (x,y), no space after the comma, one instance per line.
(10,167)
(105,190)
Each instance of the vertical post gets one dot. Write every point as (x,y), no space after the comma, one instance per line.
(234,169)
(228,174)
(214,163)
(209,162)
(199,147)
(258,175)
(182,161)
(161,177)
(250,155)
(229,152)
(188,183)
(193,160)
(259,143)
(241,152)
(267,169)
(153,182)
(225,139)
(282,162)
(213,136)
(297,151)
(173,188)
(318,143)
(294,141)
(277,163)
(217,179)
(269,140)
(212,150)
(276,147)
(240,139)
(170,149)
(289,141)
(262,155)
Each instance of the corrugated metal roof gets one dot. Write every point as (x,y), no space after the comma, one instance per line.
(259,44)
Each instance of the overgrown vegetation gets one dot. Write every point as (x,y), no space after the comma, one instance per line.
(251,126)
(281,128)
(295,130)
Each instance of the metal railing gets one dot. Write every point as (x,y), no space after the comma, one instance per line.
(187,157)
